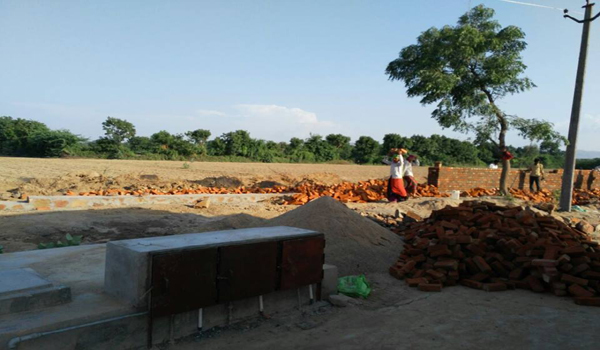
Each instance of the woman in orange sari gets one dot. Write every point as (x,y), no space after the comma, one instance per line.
(395,190)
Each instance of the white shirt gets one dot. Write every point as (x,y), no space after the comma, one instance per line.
(408,169)
(396,169)
(493,166)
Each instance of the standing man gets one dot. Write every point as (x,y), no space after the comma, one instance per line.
(536,174)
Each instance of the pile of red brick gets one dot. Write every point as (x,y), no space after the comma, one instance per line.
(362,192)
(541,196)
(580,196)
(485,246)
(178,191)
(586,196)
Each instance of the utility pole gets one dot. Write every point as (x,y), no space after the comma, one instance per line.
(566,192)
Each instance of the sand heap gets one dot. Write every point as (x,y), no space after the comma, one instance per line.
(353,243)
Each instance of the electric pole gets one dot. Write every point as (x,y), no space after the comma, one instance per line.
(566,192)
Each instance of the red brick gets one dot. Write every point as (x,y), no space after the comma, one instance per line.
(426,287)
(447,264)
(494,287)
(414,282)
(591,275)
(570,279)
(535,284)
(516,274)
(409,266)
(587,301)
(579,269)
(544,262)
(574,251)
(579,291)
(396,272)
(471,284)
(435,274)
(481,264)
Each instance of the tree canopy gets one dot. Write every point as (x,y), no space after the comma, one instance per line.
(118,130)
(465,69)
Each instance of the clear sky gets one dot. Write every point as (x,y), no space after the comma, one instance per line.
(276,68)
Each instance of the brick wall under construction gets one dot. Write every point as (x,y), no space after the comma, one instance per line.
(448,178)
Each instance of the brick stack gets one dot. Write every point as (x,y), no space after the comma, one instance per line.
(538,197)
(449,178)
(361,192)
(485,246)
(179,190)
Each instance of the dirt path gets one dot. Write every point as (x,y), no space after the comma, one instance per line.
(399,317)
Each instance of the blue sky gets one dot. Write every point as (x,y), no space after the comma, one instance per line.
(276,68)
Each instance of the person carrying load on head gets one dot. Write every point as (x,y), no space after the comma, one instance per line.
(395,190)
(409,179)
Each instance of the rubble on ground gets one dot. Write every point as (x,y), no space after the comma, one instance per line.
(490,247)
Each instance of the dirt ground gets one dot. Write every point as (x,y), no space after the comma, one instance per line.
(396,316)
(34,176)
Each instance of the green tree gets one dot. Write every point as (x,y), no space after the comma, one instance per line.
(52,143)
(466,69)
(395,141)
(118,130)
(341,145)
(141,145)
(237,143)
(199,136)
(216,147)
(366,150)
(322,150)
(16,133)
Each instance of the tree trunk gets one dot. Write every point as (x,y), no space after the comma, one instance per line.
(505,162)
(501,138)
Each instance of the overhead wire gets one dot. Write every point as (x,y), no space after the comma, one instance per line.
(535,5)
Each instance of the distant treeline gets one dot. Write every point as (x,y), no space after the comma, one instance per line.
(28,138)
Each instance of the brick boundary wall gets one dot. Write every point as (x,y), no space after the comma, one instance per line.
(462,179)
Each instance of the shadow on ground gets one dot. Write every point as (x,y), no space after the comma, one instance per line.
(26,231)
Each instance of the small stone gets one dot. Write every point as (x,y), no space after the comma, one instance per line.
(341,300)
(411,216)
(585,227)
(203,203)
(149,177)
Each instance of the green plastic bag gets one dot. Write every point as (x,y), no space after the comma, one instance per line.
(354,286)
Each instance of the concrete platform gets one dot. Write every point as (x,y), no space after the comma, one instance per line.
(94,320)
(23,289)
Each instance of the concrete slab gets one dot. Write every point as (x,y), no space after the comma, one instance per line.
(94,320)
(21,280)
(127,261)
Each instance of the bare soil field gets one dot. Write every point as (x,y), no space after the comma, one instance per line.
(34,176)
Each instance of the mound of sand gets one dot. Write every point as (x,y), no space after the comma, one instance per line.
(353,243)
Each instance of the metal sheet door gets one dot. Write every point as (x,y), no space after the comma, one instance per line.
(247,270)
(302,262)
(183,281)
